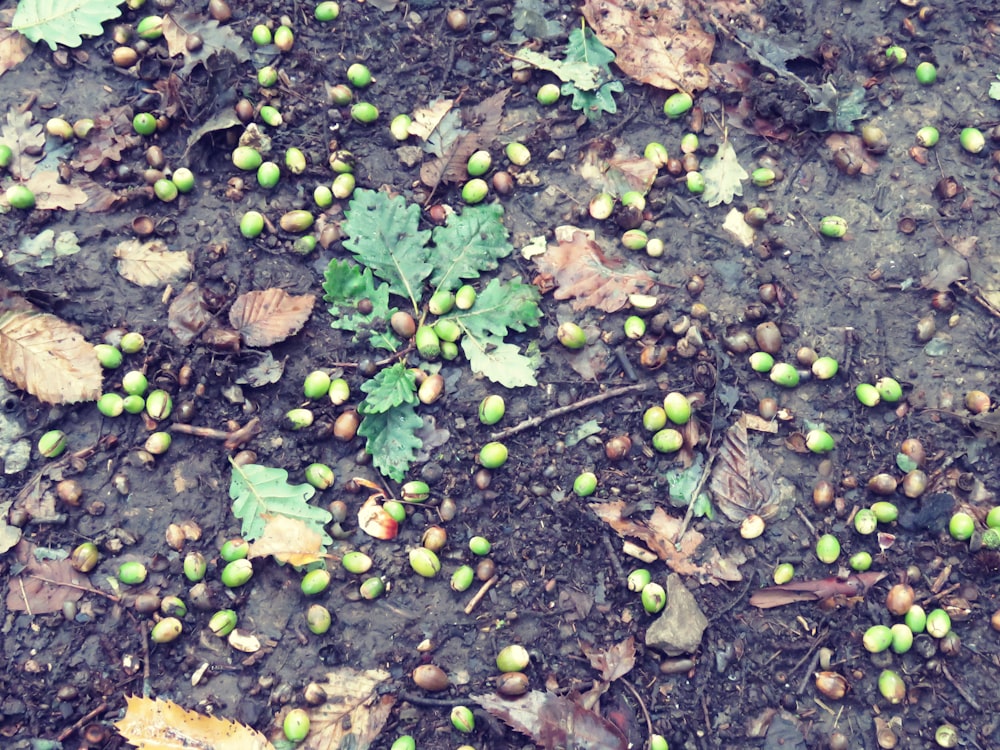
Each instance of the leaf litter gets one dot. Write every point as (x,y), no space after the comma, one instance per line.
(158,724)
(151,263)
(40,584)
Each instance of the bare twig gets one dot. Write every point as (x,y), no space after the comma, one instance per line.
(78,587)
(961,690)
(642,705)
(474,601)
(583,403)
(233,439)
(86,718)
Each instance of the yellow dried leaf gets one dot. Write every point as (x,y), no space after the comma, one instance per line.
(150,263)
(288,540)
(353,714)
(426,119)
(155,724)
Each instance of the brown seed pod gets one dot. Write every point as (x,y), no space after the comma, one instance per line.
(768,337)
(124,57)
(512,684)
(926,327)
(431,678)
(913,449)
(653,357)
(486,569)
(434,538)
(767,408)
(914,483)
(977,402)
(503,183)
(69,491)
(823,494)
(900,598)
(219,10)
(431,389)
(457,19)
(346,426)
(618,447)
(831,684)
(882,484)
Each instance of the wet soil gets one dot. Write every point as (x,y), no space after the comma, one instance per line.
(918,257)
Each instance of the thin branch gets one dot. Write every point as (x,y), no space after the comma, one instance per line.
(583,403)
(480,594)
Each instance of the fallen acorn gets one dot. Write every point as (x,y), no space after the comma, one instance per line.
(430,677)
(831,684)
(512,684)
(654,598)
(166,630)
(298,220)
(424,562)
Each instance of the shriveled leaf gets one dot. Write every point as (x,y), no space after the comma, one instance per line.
(14,46)
(111,135)
(500,362)
(375,520)
(737,228)
(157,724)
(581,432)
(664,45)
(614,661)
(480,126)
(178,28)
(288,540)
(586,275)
(354,712)
(188,315)
(151,264)
(392,441)
(262,492)
(42,250)
(855,146)
(38,587)
(268,370)
(741,481)
(723,176)
(383,233)
(63,21)
(470,243)
(391,387)
(26,141)
(47,357)
(427,119)
(345,284)
(269,316)
(580,73)
(658,535)
(618,174)
(553,722)
(529,19)
(9,535)
(815,590)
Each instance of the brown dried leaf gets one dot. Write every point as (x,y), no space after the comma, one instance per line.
(36,589)
(179,27)
(150,263)
(9,535)
(613,662)
(552,721)
(269,316)
(483,124)
(854,146)
(46,356)
(157,724)
(188,315)
(426,119)
(111,135)
(14,46)
(583,272)
(741,480)
(23,137)
(354,713)
(619,174)
(51,194)
(835,589)
(658,534)
(287,540)
(660,43)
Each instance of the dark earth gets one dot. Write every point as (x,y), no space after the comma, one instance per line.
(910,292)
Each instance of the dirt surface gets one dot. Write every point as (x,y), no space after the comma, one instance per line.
(908,292)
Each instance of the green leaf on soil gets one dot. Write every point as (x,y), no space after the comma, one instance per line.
(383,233)
(391,387)
(502,363)
(578,73)
(500,307)
(723,176)
(258,490)
(63,21)
(346,285)
(392,440)
(582,432)
(684,482)
(470,243)
(585,47)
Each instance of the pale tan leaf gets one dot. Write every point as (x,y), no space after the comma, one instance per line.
(47,357)
(586,275)
(619,174)
(156,724)
(26,141)
(854,147)
(287,540)
(188,315)
(51,194)
(14,46)
(741,480)
(660,43)
(426,119)
(354,712)
(483,124)
(614,661)
(269,316)
(150,263)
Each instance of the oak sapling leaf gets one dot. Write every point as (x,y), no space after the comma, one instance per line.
(63,21)
(261,492)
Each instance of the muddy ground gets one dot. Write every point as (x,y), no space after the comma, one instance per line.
(908,292)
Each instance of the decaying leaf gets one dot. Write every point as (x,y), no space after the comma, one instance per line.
(554,722)
(26,141)
(157,724)
(150,263)
(586,275)
(620,173)
(111,135)
(9,535)
(614,661)
(39,588)
(288,540)
(658,535)
(854,146)
(51,193)
(354,712)
(42,250)
(741,482)
(723,175)
(426,119)
(14,46)
(46,356)
(737,228)
(834,589)
(188,315)
(659,43)
(269,316)
(482,123)
(213,38)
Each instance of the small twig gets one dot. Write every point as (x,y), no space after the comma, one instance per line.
(474,601)
(642,705)
(68,731)
(961,690)
(806,521)
(694,496)
(583,403)
(613,557)
(24,596)
(233,439)
(78,587)
(421,700)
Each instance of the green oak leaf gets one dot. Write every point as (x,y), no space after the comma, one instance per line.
(258,490)
(500,362)
(391,387)
(346,285)
(499,308)
(469,243)
(63,21)
(392,439)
